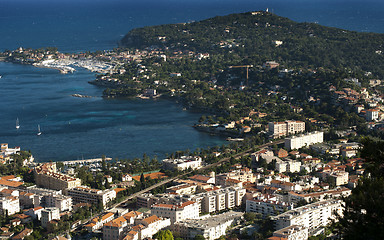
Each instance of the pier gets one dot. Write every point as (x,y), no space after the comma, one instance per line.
(85,161)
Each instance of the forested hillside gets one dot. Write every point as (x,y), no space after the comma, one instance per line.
(252,37)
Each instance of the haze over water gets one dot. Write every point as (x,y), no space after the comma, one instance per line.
(74,128)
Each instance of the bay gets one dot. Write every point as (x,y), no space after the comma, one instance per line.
(74,128)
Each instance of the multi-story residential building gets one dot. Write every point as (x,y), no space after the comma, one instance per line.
(211,227)
(221,198)
(9,205)
(286,186)
(47,177)
(339,178)
(280,129)
(242,175)
(35,213)
(267,205)
(116,228)
(63,203)
(49,214)
(152,225)
(92,196)
(293,166)
(296,142)
(319,196)
(182,189)
(281,166)
(183,163)
(294,232)
(312,216)
(372,114)
(98,222)
(187,210)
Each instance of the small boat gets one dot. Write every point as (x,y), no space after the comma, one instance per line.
(17,123)
(38,130)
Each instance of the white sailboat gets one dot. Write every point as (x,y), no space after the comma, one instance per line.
(38,130)
(17,123)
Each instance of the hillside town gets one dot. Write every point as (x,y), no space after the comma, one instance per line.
(296,184)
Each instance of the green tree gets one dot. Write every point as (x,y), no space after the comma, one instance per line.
(199,237)
(163,235)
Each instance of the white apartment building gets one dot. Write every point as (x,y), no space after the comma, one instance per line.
(10,205)
(176,213)
(294,232)
(47,177)
(296,142)
(281,166)
(293,166)
(318,196)
(280,129)
(183,163)
(211,227)
(339,178)
(115,229)
(152,224)
(49,214)
(372,114)
(221,199)
(312,216)
(267,207)
(92,196)
(98,222)
(63,203)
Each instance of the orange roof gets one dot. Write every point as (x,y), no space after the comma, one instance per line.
(138,227)
(132,214)
(200,178)
(151,219)
(10,183)
(277,238)
(8,177)
(117,190)
(155,175)
(116,222)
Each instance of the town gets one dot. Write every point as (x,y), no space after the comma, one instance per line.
(291,189)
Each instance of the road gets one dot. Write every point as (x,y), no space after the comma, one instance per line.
(236,156)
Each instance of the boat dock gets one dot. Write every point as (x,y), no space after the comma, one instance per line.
(85,161)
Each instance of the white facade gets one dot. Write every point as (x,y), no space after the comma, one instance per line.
(187,210)
(372,114)
(267,206)
(63,203)
(281,166)
(294,232)
(339,178)
(183,163)
(10,205)
(153,224)
(221,199)
(293,166)
(311,216)
(49,214)
(211,227)
(93,196)
(302,140)
(279,129)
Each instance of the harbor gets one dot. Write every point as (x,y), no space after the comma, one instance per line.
(86,161)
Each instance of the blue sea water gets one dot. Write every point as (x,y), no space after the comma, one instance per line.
(74,128)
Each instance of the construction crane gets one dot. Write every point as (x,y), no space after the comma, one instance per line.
(243,66)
